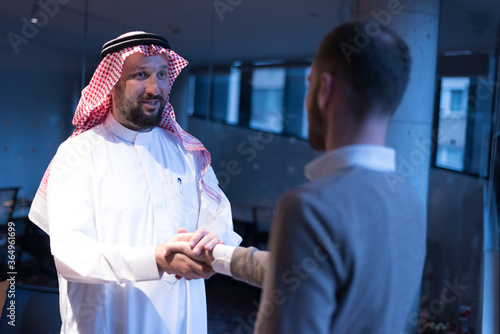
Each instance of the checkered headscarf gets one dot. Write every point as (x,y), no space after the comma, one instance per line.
(95,103)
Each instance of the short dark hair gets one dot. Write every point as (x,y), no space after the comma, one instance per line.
(372,59)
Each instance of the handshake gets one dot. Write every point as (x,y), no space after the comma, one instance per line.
(188,255)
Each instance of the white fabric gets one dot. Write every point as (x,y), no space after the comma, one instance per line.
(222,259)
(113,195)
(374,157)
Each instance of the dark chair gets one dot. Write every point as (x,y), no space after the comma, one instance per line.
(29,238)
(36,311)
(253,224)
(36,243)
(8,198)
(243,224)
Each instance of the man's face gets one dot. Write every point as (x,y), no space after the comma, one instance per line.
(315,116)
(140,94)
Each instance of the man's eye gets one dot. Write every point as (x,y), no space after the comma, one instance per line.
(140,75)
(162,75)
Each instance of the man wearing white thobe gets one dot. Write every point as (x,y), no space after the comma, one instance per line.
(119,191)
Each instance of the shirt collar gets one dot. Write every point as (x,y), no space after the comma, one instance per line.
(122,132)
(374,157)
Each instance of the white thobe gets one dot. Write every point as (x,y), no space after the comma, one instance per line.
(113,194)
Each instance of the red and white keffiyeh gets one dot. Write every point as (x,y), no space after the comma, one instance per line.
(95,103)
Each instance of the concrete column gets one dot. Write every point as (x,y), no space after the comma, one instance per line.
(410,131)
(416,21)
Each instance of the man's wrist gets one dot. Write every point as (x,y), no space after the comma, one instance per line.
(222,259)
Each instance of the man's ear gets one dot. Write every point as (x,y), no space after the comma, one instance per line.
(325,92)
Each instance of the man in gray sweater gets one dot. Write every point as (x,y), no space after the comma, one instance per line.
(346,251)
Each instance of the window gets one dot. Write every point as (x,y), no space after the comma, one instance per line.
(456,100)
(233,96)
(452,123)
(268,91)
(464,124)
(216,87)
(261,97)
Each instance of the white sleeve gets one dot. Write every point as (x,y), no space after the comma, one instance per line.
(78,255)
(222,259)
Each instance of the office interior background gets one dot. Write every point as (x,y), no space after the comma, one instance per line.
(242,96)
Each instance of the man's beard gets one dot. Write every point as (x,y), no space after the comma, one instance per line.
(133,112)
(142,120)
(316,130)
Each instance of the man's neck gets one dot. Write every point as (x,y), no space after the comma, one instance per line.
(371,131)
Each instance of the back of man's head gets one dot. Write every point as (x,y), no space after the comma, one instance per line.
(372,60)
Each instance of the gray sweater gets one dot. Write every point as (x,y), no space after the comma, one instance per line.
(346,256)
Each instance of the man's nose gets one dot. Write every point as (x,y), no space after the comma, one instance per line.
(152,86)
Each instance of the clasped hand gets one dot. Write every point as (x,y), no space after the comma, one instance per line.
(188,255)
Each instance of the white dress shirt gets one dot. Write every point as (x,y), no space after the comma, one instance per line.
(373,157)
(114,194)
